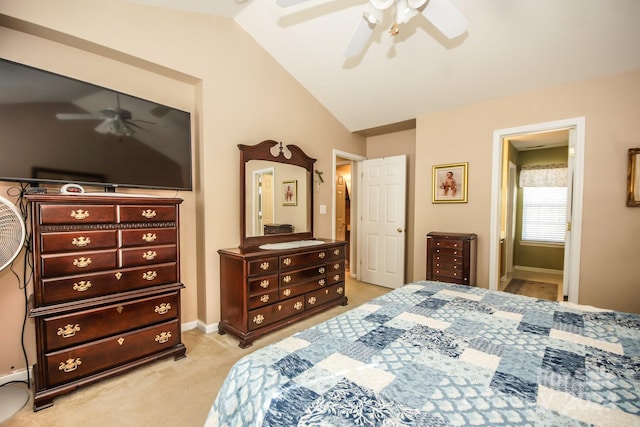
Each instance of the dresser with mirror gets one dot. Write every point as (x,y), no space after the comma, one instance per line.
(280,273)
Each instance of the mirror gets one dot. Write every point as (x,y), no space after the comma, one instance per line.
(276,186)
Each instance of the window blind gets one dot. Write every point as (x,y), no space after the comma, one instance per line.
(544,214)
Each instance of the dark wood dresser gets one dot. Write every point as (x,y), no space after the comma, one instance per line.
(264,290)
(451,257)
(106,287)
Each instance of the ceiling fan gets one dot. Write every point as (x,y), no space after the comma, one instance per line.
(441,13)
(116,121)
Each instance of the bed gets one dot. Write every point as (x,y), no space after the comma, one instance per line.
(435,354)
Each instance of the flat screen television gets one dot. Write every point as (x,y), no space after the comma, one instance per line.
(58,130)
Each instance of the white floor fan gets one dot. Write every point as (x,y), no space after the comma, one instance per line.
(12,234)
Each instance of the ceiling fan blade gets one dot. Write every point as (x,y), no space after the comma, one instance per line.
(287,3)
(446,18)
(360,37)
(103,127)
(73,116)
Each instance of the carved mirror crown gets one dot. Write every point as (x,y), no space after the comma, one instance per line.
(276,200)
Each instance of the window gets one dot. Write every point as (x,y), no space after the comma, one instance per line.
(544,214)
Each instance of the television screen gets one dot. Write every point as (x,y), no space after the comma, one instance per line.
(54,129)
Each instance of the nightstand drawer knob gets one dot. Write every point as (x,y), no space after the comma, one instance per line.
(163,337)
(70,365)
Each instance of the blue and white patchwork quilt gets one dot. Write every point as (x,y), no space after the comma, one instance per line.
(435,354)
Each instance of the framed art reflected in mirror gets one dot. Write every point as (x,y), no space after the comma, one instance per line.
(633,178)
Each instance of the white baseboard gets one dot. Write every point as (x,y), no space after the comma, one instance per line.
(537,269)
(20,375)
(207,329)
(187,326)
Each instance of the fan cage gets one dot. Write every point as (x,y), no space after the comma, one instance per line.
(12,233)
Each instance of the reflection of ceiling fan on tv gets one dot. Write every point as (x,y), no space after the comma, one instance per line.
(441,13)
(116,121)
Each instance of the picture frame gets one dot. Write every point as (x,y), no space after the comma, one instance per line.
(450,182)
(633,178)
(290,193)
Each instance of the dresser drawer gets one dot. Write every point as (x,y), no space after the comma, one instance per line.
(447,258)
(260,300)
(454,252)
(77,214)
(292,261)
(335,277)
(291,278)
(148,236)
(143,277)
(336,253)
(78,263)
(78,240)
(270,314)
(77,362)
(83,326)
(150,255)
(322,296)
(74,288)
(263,284)
(448,243)
(150,213)
(302,288)
(440,274)
(263,265)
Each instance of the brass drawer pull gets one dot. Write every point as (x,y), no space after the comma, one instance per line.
(68,331)
(82,286)
(264,298)
(258,319)
(264,284)
(163,337)
(149,255)
(321,255)
(298,305)
(336,266)
(286,279)
(70,365)
(336,277)
(340,290)
(286,261)
(79,214)
(163,308)
(264,265)
(286,292)
(80,241)
(82,262)
(321,282)
(321,270)
(149,213)
(150,275)
(312,300)
(336,251)
(149,237)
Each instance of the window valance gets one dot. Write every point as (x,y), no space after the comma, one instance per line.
(553,175)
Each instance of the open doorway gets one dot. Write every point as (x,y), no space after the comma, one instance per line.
(499,193)
(534,214)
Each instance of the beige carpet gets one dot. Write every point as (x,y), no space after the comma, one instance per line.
(168,392)
(540,290)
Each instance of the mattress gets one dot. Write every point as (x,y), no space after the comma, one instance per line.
(436,354)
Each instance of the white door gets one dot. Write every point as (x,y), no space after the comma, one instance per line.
(383,221)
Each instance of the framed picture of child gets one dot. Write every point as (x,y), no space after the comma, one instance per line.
(450,183)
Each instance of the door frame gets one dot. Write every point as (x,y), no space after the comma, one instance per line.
(354,267)
(572,259)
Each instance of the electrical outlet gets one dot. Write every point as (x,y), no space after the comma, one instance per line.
(323,209)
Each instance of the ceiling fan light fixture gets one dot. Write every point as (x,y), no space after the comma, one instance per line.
(381,4)
(403,12)
(373,15)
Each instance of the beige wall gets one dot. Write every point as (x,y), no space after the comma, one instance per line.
(206,65)
(609,275)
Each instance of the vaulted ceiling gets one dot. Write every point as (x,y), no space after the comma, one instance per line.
(510,47)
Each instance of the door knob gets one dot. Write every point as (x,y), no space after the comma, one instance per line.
(400,230)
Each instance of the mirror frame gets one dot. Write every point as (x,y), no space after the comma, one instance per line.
(262,151)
